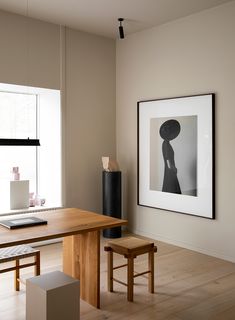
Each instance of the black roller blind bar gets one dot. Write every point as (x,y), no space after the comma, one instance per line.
(19,142)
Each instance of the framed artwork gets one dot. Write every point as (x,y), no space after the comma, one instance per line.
(176,154)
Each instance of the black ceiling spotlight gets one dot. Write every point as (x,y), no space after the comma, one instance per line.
(121,31)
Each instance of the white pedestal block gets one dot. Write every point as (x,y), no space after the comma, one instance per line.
(19,194)
(52,296)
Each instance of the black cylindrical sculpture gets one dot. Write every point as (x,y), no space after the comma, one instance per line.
(112,200)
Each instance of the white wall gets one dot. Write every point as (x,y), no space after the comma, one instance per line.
(189,56)
(83,65)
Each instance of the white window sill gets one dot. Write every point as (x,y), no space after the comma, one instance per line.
(28,210)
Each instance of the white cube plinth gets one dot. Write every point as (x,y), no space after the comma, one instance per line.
(51,296)
(19,194)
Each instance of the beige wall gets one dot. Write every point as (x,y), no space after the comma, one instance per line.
(189,56)
(85,68)
(90,115)
(29,52)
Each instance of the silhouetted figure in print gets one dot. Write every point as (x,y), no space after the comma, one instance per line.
(169,130)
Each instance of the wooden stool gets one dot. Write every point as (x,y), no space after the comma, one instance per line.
(15,254)
(130,248)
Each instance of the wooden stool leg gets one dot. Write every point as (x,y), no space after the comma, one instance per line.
(130,278)
(110,271)
(37,266)
(17,275)
(151,269)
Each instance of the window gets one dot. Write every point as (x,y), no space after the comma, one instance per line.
(34,113)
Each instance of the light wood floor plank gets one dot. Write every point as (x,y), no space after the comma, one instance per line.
(188,285)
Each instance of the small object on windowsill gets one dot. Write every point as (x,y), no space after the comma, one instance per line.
(31,199)
(15,170)
(43,201)
(19,194)
(38,201)
(16,173)
(32,202)
(16,176)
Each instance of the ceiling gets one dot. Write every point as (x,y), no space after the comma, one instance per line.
(100,16)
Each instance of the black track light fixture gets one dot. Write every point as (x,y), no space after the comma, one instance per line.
(20,142)
(121,31)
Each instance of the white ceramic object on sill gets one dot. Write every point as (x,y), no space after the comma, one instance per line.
(19,194)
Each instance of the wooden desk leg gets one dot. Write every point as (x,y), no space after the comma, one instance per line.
(71,253)
(81,260)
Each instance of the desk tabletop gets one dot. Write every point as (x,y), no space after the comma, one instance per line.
(61,223)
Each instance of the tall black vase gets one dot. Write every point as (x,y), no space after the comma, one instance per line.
(112,200)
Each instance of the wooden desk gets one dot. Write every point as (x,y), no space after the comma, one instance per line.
(81,244)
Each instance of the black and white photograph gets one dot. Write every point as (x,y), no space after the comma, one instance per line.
(175,154)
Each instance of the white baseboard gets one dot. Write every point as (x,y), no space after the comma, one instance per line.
(184,245)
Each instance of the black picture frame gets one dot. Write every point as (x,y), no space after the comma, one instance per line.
(176,154)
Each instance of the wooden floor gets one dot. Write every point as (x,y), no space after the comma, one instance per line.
(188,285)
